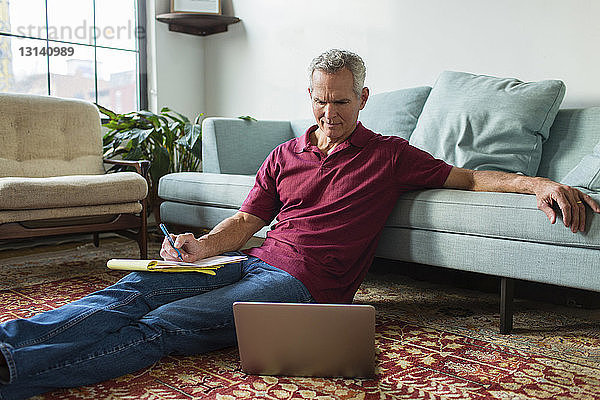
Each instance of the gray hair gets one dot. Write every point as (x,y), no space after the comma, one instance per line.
(335,60)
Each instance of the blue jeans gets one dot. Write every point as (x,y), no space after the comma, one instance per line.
(134,323)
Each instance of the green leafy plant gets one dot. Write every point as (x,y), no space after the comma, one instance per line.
(169,140)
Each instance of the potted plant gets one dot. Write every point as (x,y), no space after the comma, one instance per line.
(169,140)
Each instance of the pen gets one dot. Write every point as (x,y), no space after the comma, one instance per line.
(166,232)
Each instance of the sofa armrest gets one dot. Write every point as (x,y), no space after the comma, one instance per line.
(236,146)
(141,167)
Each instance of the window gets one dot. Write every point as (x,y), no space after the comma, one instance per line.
(87,49)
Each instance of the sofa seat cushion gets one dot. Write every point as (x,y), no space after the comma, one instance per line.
(18,193)
(499,215)
(200,188)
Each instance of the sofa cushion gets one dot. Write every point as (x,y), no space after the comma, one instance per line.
(395,113)
(574,133)
(71,191)
(587,173)
(498,215)
(201,188)
(539,262)
(236,146)
(487,123)
(47,216)
(300,126)
(390,113)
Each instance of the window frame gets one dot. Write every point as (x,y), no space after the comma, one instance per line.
(142,75)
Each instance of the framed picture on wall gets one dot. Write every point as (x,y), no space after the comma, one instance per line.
(196,6)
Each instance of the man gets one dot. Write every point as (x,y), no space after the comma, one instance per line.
(331,191)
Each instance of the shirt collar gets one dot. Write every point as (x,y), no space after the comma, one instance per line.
(359,138)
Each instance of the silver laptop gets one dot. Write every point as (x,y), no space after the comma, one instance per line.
(325,340)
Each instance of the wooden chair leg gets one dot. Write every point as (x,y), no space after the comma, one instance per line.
(143,233)
(143,244)
(507,289)
(96,237)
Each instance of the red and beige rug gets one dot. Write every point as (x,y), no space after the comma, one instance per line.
(433,342)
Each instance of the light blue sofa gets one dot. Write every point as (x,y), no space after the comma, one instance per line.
(501,234)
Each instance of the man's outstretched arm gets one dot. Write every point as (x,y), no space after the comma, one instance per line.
(229,235)
(548,193)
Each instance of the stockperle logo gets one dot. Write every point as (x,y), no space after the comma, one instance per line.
(83,31)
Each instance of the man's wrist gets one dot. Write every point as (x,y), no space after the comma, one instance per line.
(203,249)
(529,184)
(538,184)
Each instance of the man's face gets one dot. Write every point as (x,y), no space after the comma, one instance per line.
(334,103)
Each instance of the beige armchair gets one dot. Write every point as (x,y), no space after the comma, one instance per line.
(52,176)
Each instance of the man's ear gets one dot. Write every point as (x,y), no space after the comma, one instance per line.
(364,95)
(309,93)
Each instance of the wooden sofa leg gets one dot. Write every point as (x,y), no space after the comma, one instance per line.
(507,289)
(96,237)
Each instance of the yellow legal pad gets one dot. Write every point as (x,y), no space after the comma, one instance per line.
(206,265)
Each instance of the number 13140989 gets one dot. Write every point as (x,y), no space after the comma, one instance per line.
(47,51)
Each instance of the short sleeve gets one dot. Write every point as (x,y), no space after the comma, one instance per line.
(263,199)
(416,169)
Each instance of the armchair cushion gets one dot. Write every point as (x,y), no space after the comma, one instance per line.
(49,216)
(44,136)
(71,191)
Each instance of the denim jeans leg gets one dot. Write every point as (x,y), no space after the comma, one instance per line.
(205,322)
(183,324)
(44,340)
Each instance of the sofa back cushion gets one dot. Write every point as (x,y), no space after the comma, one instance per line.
(300,126)
(587,173)
(390,113)
(236,146)
(43,136)
(573,136)
(394,113)
(488,123)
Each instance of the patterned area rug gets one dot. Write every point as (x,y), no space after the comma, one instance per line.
(433,342)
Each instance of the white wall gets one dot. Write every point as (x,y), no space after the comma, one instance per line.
(175,65)
(258,68)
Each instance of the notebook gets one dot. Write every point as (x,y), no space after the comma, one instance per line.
(206,265)
(318,340)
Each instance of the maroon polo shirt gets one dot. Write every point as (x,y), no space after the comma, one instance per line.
(330,210)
